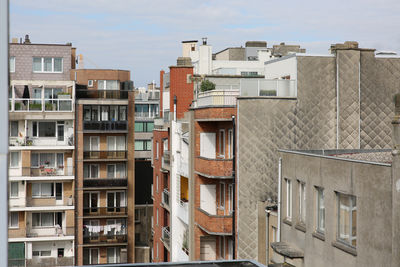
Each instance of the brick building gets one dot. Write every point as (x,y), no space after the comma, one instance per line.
(105,167)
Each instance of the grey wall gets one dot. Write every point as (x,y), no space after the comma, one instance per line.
(24,60)
(371,184)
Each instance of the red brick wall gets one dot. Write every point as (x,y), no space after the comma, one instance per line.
(214,113)
(161,91)
(180,88)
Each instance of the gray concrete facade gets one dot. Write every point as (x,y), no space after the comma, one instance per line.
(344,100)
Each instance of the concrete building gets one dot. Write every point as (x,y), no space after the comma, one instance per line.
(42,152)
(146,109)
(337,101)
(105,165)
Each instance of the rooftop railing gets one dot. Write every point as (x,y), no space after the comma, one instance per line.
(217,97)
(264,87)
(105,154)
(105,126)
(40,105)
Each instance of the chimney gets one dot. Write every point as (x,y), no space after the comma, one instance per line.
(204,40)
(27,41)
(14,40)
(184,62)
(396,183)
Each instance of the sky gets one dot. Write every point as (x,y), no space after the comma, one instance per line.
(145,36)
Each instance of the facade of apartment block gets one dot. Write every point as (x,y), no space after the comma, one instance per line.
(336,101)
(105,164)
(42,153)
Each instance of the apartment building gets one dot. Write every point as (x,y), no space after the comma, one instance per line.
(42,153)
(340,100)
(146,110)
(105,189)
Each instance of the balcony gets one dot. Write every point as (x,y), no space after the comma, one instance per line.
(40,142)
(183,211)
(50,232)
(49,202)
(102,94)
(42,171)
(166,237)
(49,261)
(105,211)
(105,155)
(219,98)
(264,87)
(40,105)
(213,224)
(214,168)
(165,198)
(106,126)
(105,182)
(108,238)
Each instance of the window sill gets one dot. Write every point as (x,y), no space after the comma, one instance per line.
(287,221)
(13,227)
(319,236)
(300,226)
(345,247)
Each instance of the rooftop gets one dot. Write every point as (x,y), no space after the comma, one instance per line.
(372,156)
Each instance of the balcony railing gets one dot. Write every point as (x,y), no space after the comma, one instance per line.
(49,201)
(264,87)
(50,231)
(105,154)
(105,126)
(47,171)
(165,197)
(38,105)
(166,236)
(183,211)
(50,261)
(216,98)
(104,182)
(105,211)
(102,94)
(100,237)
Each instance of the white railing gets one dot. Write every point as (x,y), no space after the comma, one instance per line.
(183,211)
(166,235)
(165,198)
(264,87)
(38,104)
(217,98)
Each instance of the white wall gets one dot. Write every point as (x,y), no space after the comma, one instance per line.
(52,246)
(281,68)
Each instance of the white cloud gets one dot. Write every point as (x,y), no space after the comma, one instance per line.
(145,36)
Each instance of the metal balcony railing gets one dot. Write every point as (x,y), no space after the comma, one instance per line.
(105,182)
(108,126)
(47,171)
(105,154)
(165,197)
(166,235)
(105,211)
(102,94)
(100,237)
(45,231)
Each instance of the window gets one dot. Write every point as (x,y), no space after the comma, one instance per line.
(115,199)
(90,171)
(288,199)
(47,64)
(41,253)
(14,159)
(142,145)
(90,256)
(12,64)
(116,170)
(13,219)
(302,202)
(157,183)
(42,190)
(157,151)
(44,129)
(221,147)
(249,73)
(230,143)
(137,215)
(107,85)
(320,210)
(47,160)
(221,247)
(222,195)
(90,83)
(14,189)
(142,127)
(13,128)
(51,93)
(157,221)
(230,195)
(44,219)
(116,143)
(347,219)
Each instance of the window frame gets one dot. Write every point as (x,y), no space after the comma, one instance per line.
(40,190)
(302,197)
(42,59)
(13,122)
(11,186)
(352,207)
(15,166)
(90,83)
(221,143)
(10,220)
(289,199)
(319,228)
(40,220)
(11,64)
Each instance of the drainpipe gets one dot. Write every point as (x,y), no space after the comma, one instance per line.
(175,101)
(396,184)
(278,238)
(234,187)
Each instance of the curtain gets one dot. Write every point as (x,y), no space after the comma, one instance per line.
(47,219)
(122,113)
(47,190)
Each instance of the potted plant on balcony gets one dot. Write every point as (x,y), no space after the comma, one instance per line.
(64,95)
(207,85)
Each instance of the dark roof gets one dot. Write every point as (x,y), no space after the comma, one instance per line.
(190,41)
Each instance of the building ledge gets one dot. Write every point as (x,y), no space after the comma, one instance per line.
(345,247)
(214,119)
(41,178)
(301,227)
(103,244)
(213,176)
(41,208)
(319,236)
(41,147)
(42,238)
(287,250)
(213,233)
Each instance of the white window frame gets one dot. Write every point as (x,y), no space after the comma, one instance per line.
(52,65)
(11,123)
(105,85)
(320,210)
(90,83)
(289,198)
(302,201)
(15,166)
(157,222)
(123,201)
(352,207)
(222,248)
(221,145)
(222,196)
(36,135)
(11,185)
(40,220)
(10,220)
(157,183)
(40,190)
(40,252)
(90,199)
(230,143)
(230,196)
(12,64)
(157,151)
(90,255)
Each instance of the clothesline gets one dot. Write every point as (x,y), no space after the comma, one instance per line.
(106,228)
